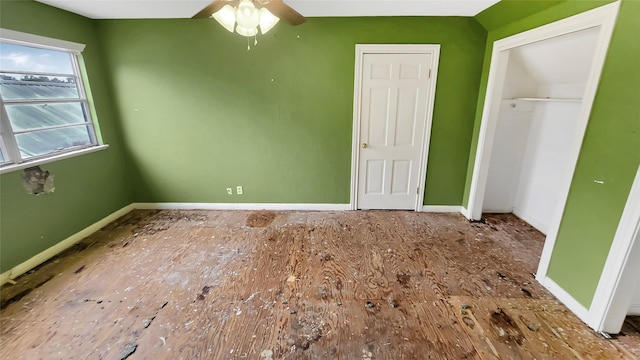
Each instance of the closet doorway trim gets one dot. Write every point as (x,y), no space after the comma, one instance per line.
(604,17)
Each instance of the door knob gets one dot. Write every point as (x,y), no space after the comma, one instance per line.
(364,145)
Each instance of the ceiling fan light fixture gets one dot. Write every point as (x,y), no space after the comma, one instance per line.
(247,15)
(246,31)
(226,16)
(267,20)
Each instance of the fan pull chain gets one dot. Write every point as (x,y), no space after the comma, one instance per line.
(248,46)
(255,40)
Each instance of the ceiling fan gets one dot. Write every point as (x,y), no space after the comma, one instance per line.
(244,16)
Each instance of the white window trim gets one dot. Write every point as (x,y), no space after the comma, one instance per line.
(20,38)
(59,156)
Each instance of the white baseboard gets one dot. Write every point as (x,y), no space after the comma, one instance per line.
(564,297)
(543,228)
(634,309)
(61,246)
(465,212)
(240,206)
(442,208)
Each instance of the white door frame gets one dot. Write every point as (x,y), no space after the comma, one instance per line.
(620,274)
(361,50)
(605,17)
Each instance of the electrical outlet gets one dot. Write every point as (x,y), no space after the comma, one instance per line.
(229,191)
(239,190)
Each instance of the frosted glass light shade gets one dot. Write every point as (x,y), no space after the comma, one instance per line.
(226,17)
(247,15)
(267,20)
(245,31)
(245,18)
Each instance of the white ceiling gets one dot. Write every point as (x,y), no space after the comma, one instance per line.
(564,59)
(139,9)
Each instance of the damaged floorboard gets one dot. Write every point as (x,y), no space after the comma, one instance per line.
(297,285)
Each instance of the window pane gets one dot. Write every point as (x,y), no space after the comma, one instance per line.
(25,58)
(24,117)
(41,93)
(47,141)
(33,87)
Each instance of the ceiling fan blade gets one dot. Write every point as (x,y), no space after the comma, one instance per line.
(285,12)
(210,9)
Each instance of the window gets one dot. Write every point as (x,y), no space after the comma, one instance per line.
(45,111)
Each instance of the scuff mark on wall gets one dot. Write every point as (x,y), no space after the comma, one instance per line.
(37,182)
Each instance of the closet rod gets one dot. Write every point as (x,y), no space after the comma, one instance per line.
(547,99)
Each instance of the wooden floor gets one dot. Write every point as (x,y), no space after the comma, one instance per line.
(297,285)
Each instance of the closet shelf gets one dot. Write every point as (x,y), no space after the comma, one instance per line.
(547,99)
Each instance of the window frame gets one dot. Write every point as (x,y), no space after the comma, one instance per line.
(13,160)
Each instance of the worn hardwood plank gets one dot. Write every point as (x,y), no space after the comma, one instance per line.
(530,329)
(295,285)
(629,336)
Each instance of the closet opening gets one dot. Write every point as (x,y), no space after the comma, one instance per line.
(540,90)
(537,125)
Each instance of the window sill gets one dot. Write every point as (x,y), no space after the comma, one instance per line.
(67,155)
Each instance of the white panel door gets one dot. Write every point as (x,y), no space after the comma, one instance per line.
(392,128)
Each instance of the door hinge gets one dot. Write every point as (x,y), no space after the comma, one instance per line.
(418,190)
(429,73)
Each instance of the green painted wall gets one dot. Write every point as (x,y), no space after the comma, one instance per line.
(508,11)
(610,151)
(88,187)
(201,113)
